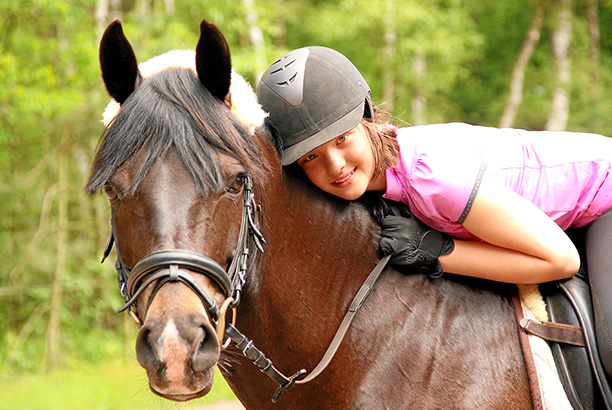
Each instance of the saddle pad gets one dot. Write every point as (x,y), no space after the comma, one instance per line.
(546,389)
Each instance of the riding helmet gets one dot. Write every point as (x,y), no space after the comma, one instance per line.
(313,95)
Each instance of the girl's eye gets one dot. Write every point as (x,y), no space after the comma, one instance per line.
(306,158)
(237,184)
(341,138)
(110,192)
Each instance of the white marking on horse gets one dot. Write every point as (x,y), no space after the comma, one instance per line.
(173,351)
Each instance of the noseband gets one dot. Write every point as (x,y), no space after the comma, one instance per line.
(168,266)
(172,265)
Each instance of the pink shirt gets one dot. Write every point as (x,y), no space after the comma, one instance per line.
(564,174)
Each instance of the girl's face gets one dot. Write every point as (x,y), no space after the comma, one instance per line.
(343,166)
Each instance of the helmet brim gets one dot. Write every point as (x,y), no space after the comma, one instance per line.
(333,130)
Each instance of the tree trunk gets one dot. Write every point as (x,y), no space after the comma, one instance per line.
(107,10)
(389,52)
(593,19)
(595,90)
(170,7)
(515,97)
(53,330)
(116,8)
(143,7)
(256,38)
(102,15)
(419,69)
(25,332)
(561,39)
(281,26)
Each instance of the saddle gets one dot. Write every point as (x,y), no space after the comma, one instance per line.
(580,369)
(569,304)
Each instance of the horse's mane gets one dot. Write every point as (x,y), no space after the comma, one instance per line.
(171,109)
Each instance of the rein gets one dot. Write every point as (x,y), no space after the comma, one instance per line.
(285,383)
(167,266)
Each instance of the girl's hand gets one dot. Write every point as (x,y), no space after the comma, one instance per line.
(415,247)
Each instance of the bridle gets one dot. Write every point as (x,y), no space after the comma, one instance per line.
(169,266)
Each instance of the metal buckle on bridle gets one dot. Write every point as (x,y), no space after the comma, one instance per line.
(221,323)
(134,318)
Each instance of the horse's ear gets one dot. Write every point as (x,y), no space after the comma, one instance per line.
(213,61)
(118,63)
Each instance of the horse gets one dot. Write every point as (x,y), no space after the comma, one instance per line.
(182,171)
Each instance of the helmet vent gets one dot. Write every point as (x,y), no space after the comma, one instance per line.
(287,76)
(287,82)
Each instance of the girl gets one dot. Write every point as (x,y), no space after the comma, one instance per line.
(501,197)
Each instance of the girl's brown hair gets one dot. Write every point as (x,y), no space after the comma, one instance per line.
(382,135)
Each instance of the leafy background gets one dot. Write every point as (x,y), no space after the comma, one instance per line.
(453,58)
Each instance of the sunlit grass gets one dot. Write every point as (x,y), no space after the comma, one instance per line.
(114,386)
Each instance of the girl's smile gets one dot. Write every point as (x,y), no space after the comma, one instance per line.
(345,180)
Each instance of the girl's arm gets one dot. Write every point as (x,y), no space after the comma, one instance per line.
(521,243)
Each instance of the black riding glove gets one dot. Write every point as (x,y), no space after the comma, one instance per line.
(414,246)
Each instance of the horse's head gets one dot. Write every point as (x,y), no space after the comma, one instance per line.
(176,164)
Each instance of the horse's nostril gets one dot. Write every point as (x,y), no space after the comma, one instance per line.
(204,344)
(207,351)
(203,340)
(144,350)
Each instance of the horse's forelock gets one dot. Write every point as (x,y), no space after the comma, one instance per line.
(171,109)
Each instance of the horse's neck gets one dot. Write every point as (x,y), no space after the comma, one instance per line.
(318,253)
(309,227)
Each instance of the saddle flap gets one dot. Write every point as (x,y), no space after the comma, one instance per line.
(580,368)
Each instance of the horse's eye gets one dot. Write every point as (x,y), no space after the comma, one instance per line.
(237,184)
(110,192)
